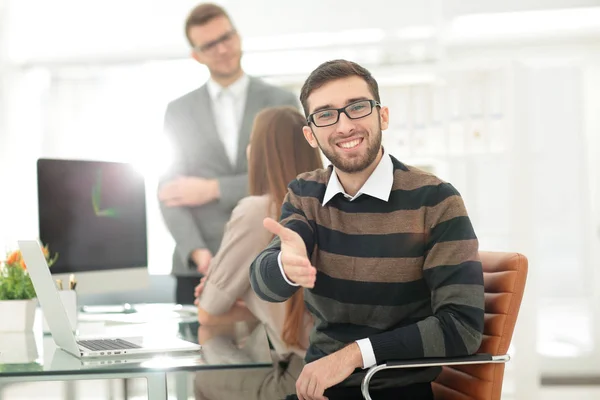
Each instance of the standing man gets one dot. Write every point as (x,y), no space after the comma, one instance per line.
(385,252)
(209,129)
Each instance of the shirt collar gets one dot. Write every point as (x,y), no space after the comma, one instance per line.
(378,185)
(238,88)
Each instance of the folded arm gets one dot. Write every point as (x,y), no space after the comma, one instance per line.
(179,220)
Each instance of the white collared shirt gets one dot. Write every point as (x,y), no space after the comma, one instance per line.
(228,110)
(378,185)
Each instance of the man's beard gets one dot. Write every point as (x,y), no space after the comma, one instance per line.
(356,164)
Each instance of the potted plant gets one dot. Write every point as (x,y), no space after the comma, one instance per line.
(17,295)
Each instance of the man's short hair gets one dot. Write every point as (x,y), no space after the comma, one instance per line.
(202,15)
(331,71)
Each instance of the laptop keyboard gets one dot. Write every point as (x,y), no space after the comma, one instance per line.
(107,344)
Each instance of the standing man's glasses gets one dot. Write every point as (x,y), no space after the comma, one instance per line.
(210,47)
(331,116)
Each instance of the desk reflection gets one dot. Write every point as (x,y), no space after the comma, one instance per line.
(243,344)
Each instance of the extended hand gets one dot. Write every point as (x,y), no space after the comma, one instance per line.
(188,191)
(202,257)
(326,372)
(296,264)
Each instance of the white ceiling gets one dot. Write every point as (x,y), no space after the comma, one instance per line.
(72,30)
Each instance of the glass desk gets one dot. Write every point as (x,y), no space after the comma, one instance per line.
(34,356)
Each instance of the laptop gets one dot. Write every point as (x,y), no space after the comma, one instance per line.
(60,328)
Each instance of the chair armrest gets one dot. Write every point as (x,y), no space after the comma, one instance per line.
(445,361)
(430,362)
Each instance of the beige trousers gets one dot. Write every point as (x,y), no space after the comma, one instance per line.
(249,384)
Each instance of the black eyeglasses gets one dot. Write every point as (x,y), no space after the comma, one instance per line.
(331,116)
(210,47)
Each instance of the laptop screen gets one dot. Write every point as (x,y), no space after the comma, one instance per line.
(93,214)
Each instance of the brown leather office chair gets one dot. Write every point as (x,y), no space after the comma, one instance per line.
(479,377)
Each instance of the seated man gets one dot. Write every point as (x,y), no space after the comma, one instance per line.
(386,252)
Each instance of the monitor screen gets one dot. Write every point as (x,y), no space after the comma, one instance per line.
(93,214)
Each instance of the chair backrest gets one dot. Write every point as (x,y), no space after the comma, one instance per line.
(504,276)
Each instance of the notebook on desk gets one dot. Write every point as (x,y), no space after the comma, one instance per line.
(60,328)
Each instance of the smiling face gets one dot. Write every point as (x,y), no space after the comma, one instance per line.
(352,145)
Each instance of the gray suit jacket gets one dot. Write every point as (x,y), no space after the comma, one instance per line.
(198,150)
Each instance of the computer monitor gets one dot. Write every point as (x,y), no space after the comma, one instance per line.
(93,214)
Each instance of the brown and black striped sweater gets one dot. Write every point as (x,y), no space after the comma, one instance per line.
(404,273)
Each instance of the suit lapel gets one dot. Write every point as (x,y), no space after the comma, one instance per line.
(255,101)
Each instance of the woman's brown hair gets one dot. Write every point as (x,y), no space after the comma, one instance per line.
(278,154)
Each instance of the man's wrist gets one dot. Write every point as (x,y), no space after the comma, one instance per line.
(285,278)
(353,355)
(216,189)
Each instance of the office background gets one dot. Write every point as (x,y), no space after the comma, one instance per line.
(500,98)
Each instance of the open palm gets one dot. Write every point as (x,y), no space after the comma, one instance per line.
(296,264)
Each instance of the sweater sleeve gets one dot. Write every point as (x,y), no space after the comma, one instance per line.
(452,271)
(265,275)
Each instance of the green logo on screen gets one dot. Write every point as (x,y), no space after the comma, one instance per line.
(97,195)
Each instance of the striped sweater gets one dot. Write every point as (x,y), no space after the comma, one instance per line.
(404,273)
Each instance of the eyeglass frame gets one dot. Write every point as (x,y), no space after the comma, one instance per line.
(207,47)
(373,103)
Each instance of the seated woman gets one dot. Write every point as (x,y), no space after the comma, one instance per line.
(277,153)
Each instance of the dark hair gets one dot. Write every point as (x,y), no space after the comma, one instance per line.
(331,71)
(278,154)
(201,15)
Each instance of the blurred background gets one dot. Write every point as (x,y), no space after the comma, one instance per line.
(501,98)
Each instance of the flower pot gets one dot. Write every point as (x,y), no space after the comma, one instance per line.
(17,315)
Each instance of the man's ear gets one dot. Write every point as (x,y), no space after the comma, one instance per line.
(197,57)
(384,117)
(310,137)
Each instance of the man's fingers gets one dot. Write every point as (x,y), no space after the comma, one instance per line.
(174,203)
(165,194)
(206,261)
(273,226)
(201,268)
(306,283)
(317,390)
(301,385)
(294,260)
(301,271)
(311,388)
(300,276)
(169,190)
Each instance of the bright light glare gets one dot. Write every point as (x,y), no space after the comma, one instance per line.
(155,159)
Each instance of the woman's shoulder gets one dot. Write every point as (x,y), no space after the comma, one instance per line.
(254,204)
(252,207)
(251,202)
